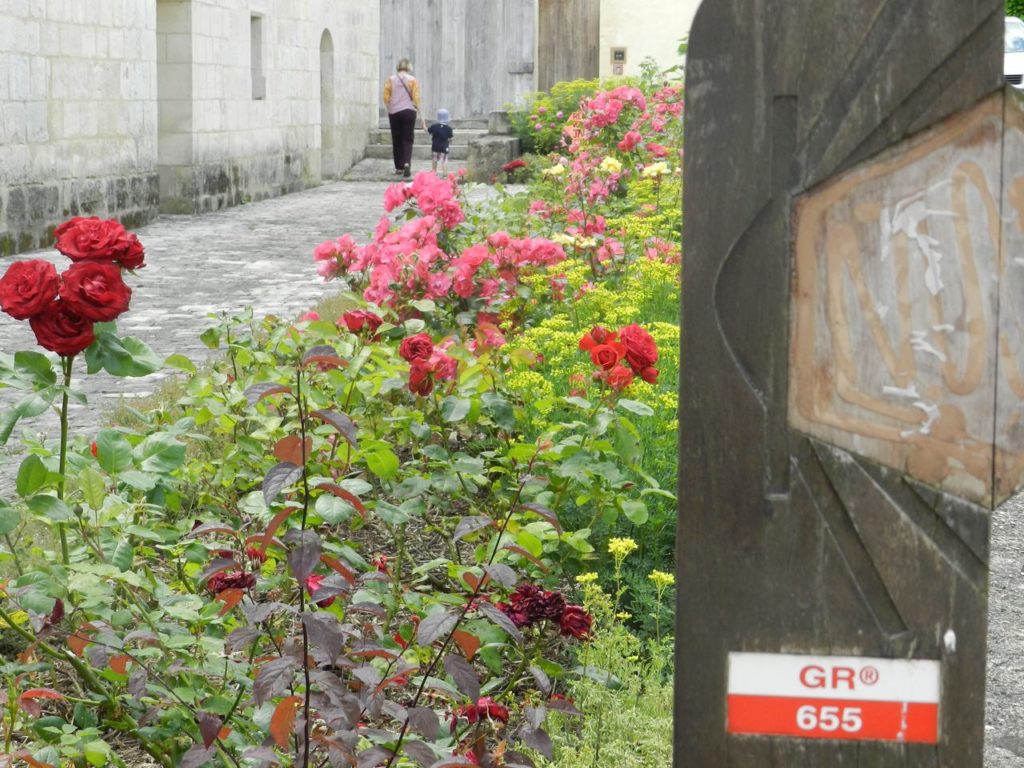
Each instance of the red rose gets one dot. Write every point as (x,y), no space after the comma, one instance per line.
(418,346)
(95,290)
(133,254)
(421,381)
(641,351)
(357,319)
(485,707)
(596,335)
(620,377)
(91,238)
(60,329)
(649,374)
(230,580)
(576,622)
(27,288)
(313,584)
(256,554)
(606,356)
(445,368)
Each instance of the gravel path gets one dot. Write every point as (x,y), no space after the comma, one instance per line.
(260,255)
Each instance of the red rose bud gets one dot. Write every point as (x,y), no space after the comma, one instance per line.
(59,328)
(93,449)
(485,707)
(650,375)
(620,377)
(313,583)
(95,290)
(27,288)
(418,347)
(256,554)
(381,564)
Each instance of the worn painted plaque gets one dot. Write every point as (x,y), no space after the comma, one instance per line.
(896,353)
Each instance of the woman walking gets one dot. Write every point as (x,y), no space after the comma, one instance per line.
(402,99)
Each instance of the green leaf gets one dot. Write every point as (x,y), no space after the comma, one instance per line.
(383,463)
(32,476)
(454,408)
(10,518)
(210,337)
(93,488)
(50,507)
(126,356)
(8,420)
(140,481)
(160,453)
(635,510)
(627,441)
(332,509)
(579,402)
(123,556)
(181,363)
(499,410)
(113,451)
(391,514)
(37,367)
(96,753)
(530,543)
(640,409)
(426,306)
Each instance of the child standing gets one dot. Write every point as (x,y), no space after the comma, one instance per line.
(440,136)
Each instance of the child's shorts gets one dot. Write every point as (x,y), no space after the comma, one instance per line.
(440,157)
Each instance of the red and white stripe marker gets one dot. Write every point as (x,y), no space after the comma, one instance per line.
(833,697)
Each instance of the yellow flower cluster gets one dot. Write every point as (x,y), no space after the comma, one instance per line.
(532,387)
(662,580)
(586,578)
(611,165)
(555,170)
(654,170)
(621,547)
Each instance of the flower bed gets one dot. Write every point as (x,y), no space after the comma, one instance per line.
(354,538)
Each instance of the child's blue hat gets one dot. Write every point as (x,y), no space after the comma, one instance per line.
(442,115)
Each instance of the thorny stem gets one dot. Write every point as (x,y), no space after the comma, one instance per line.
(66,363)
(462,616)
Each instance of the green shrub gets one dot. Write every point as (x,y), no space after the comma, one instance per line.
(549,111)
(1015,8)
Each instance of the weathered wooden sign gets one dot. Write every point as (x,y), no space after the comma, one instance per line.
(852,384)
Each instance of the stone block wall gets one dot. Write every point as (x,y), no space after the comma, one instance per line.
(77,115)
(261,113)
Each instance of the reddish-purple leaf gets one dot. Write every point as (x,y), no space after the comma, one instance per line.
(496,615)
(538,740)
(305,553)
(257,392)
(502,574)
(470,525)
(515,759)
(324,632)
(523,553)
(278,477)
(273,678)
(424,721)
(468,644)
(28,700)
(535,715)
(420,752)
(374,757)
(564,706)
(341,493)
(547,514)
(292,449)
(542,680)
(199,530)
(465,677)
(435,626)
(218,565)
(197,756)
(282,722)
(341,422)
(209,727)
(336,566)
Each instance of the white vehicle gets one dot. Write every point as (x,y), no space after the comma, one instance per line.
(1013,58)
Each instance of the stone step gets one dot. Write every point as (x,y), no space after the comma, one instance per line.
(462,136)
(420,150)
(466,123)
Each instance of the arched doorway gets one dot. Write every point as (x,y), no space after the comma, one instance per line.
(328,152)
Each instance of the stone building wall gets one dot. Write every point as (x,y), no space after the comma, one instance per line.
(77,115)
(649,29)
(118,108)
(282,94)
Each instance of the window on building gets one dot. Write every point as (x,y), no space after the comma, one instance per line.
(259,81)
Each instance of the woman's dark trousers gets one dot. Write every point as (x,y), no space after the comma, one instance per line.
(403,125)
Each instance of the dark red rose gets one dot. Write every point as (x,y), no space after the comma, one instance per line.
(91,238)
(230,580)
(641,351)
(421,379)
(313,584)
(415,347)
(576,622)
(358,319)
(606,356)
(485,707)
(620,377)
(60,329)
(256,554)
(95,290)
(445,367)
(596,335)
(649,374)
(530,604)
(133,254)
(27,288)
